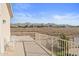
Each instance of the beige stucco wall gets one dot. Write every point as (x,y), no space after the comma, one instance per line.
(1,35)
(4,27)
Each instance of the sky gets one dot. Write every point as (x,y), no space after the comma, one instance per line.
(58,13)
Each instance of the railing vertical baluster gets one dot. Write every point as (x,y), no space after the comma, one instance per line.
(61,47)
(51,44)
(77,49)
(66,48)
(67,44)
(63,50)
(71,47)
(56,45)
(74,46)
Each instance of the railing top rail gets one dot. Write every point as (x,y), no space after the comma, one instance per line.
(58,38)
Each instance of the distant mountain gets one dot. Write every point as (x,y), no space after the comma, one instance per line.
(40,25)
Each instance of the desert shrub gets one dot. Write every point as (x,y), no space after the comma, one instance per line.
(63,36)
(63,45)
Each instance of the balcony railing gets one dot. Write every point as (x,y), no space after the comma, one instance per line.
(57,46)
(54,45)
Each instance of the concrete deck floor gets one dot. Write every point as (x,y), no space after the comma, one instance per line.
(24,46)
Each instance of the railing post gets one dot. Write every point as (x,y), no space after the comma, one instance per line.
(52,45)
(66,49)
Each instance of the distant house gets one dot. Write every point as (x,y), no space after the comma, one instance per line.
(5,16)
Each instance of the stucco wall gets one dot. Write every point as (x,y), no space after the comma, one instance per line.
(1,33)
(6,25)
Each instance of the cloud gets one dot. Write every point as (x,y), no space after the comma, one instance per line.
(71,19)
(66,17)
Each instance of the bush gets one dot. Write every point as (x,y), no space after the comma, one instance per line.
(63,36)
